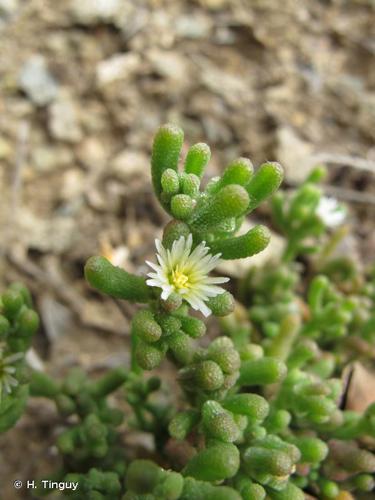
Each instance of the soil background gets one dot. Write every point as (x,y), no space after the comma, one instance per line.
(83,87)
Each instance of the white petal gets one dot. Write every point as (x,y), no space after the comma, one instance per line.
(153,266)
(216,281)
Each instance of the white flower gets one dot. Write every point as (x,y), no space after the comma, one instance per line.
(7,380)
(185,272)
(331,212)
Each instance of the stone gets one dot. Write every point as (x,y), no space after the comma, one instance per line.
(63,120)
(294,154)
(130,163)
(117,67)
(37,82)
(89,12)
(8,7)
(47,158)
(194,27)
(5,149)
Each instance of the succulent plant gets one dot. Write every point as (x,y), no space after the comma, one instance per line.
(260,412)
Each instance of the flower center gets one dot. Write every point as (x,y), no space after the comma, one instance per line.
(179,279)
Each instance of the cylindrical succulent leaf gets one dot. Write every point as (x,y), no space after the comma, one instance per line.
(182,206)
(313,450)
(230,201)
(219,423)
(166,149)
(148,356)
(142,476)
(111,381)
(4,327)
(216,463)
(181,345)
(262,460)
(208,375)
(12,301)
(182,423)
(202,490)
(222,351)
(114,281)
(145,326)
(262,371)
(197,158)
(170,181)
(222,304)
(190,184)
(252,405)
(238,171)
(173,231)
(264,183)
(240,247)
(290,492)
(42,384)
(194,327)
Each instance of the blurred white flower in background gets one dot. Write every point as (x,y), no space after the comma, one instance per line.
(331,212)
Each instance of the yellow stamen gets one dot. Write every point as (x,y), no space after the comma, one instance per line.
(179,279)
